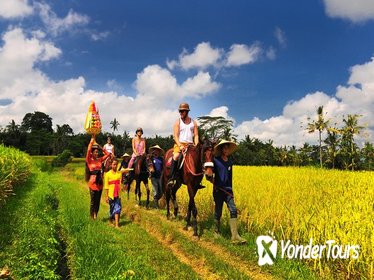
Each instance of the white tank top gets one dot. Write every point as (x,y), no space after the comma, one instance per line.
(186,131)
(109,147)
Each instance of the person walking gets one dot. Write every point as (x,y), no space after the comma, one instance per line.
(94,176)
(223,188)
(112,185)
(156,177)
(124,164)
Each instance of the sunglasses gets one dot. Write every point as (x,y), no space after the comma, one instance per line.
(181,111)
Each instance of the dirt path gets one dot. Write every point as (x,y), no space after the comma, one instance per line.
(153,220)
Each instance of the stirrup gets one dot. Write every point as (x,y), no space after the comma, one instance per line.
(171,183)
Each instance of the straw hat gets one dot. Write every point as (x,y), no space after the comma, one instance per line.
(232,147)
(126,155)
(156,147)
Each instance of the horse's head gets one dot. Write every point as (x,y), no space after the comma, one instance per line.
(149,163)
(207,153)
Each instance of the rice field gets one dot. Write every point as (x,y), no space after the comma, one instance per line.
(298,204)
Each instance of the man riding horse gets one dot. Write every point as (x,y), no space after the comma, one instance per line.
(185,133)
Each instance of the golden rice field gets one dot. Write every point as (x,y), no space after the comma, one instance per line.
(303,203)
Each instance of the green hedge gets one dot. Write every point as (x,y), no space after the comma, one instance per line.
(15,168)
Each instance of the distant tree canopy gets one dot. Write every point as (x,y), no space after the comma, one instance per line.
(37,122)
(36,136)
(216,128)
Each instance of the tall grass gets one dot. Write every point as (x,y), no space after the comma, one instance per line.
(303,203)
(29,240)
(15,168)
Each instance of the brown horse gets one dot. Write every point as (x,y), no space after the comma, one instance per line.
(198,160)
(141,174)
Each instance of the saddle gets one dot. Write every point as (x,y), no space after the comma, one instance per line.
(180,160)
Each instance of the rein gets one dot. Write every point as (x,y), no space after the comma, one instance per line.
(188,164)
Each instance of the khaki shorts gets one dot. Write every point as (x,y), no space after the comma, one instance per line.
(176,148)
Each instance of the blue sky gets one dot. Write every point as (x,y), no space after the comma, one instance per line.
(267,65)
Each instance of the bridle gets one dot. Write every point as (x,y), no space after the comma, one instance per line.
(189,163)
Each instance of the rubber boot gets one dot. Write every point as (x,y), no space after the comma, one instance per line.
(235,237)
(173,171)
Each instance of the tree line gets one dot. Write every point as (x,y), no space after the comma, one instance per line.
(36,136)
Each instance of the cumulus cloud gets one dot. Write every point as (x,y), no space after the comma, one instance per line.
(357,97)
(205,56)
(58,25)
(10,9)
(240,54)
(202,57)
(355,11)
(18,56)
(221,111)
(24,88)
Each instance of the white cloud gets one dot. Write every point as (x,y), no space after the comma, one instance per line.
(58,25)
(99,36)
(290,127)
(29,90)
(221,111)
(280,36)
(202,57)
(199,85)
(240,54)
(355,11)
(205,56)
(271,53)
(10,9)
(18,56)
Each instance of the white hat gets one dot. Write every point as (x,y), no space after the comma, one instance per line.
(158,148)
(125,155)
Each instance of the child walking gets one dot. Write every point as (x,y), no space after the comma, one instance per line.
(112,185)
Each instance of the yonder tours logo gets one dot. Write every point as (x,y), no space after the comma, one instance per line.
(267,248)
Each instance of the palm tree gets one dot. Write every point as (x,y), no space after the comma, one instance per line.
(332,141)
(114,125)
(349,147)
(320,124)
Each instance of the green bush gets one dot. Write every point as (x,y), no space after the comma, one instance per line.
(15,168)
(62,159)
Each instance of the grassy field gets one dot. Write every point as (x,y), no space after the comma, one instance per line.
(46,233)
(302,203)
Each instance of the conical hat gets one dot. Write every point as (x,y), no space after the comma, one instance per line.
(156,147)
(126,155)
(232,147)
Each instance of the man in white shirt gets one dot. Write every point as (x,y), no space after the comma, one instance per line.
(185,133)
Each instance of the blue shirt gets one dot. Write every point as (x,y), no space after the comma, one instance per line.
(158,164)
(223,173)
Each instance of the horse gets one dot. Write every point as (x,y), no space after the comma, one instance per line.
(198,160)
(140,174)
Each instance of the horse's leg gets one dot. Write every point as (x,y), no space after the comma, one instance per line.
(148,192)
(192,193)
(167,197)
(138,190)
(188,217)
(174,200)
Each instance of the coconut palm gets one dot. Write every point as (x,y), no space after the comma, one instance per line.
(114,124)
(320,124)
(349,147)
